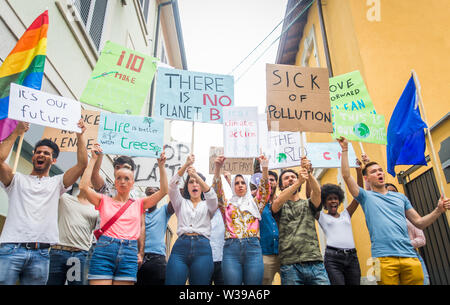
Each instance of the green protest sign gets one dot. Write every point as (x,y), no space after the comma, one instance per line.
(360,126)
(349,93)
(120,81)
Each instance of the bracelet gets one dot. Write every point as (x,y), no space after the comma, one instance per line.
(344,150)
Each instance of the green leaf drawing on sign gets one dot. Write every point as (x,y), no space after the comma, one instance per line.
(281,157)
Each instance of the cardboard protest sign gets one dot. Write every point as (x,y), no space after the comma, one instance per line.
(38,107)
(328,155)
(130,135)
(192,96)
(348,92)
(67,140)
(298,99)
(234,166)
(360,126)
(147,172)
(120,81)
(240,132)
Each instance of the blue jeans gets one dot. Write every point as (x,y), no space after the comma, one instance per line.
(242,261)
(67,265)
(114,259)
(308,273)
(191,257)
(30,267)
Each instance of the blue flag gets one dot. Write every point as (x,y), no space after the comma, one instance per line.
(405,134)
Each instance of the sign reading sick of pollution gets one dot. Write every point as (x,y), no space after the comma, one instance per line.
(298,99)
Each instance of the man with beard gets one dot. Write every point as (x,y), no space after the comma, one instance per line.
(299,252)
(32,223)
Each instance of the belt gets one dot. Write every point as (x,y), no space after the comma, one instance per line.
(342,250)
(191,234)
(66,248)
(33,246)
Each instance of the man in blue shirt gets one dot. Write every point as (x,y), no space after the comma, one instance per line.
(385,218)
(153,270)
(269,235)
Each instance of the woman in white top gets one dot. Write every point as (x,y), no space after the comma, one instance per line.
(340,260)
(191,254)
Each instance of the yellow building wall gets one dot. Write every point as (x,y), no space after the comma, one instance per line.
(409,35)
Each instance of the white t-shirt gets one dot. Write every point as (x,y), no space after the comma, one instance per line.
(76,221)
(338,230)
(190,219)
(33,209)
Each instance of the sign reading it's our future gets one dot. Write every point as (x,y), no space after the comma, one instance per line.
(298,99)
(192,96)
(130,135)
(38,107)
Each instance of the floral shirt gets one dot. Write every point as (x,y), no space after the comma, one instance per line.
(241,224)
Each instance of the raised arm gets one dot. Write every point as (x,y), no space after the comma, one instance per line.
(217,182)
(96,179)
(6,173)
(153,199)
(91,195)
(359,177)
(286,194)
(263,195)
(349,181)
(189,161)
(422,222)
(227,177)
(73,173)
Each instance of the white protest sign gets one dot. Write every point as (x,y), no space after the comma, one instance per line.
(240,132)
(147,172)
(328,155)
(37,107)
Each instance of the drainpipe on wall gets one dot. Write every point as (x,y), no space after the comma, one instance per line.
(324,38)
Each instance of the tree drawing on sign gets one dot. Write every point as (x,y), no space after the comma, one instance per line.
(281,157)
(109,135)
(149,121)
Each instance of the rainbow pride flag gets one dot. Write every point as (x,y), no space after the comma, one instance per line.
(23,66)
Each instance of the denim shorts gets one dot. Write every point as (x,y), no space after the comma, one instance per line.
(114,259)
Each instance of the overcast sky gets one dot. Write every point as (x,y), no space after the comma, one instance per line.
(218,35)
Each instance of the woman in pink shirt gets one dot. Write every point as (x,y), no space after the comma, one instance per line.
(242,261)
(115,257)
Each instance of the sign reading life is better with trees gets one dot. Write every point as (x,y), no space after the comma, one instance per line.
(67,140)
(240,132)
(38,107)
(147,172)
(298,99)
(360,126)
(120,81)
(349,93)
(192,96)
(130,135)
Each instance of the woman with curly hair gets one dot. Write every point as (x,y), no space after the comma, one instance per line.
(340,260)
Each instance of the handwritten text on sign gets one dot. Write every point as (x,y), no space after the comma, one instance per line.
(298,99)
(147,173)
(120,80)
(328,155)
(67,140)
(234,166)
(37,107)
(240,132)
(131,135)
(192,96)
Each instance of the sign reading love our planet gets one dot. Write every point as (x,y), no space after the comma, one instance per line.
(120,81)
(130,135)
(298,99)
(360,126)
(38,107)
(192,96)
(240,132)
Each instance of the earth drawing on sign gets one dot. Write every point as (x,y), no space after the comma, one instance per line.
(361,130)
